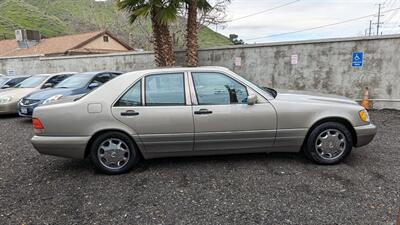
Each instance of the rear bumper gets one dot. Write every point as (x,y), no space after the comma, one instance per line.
(365,134)
(68,147)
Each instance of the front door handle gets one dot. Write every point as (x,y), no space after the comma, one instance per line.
(203,111)
(130,113)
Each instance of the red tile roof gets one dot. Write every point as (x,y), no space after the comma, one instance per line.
(52,46)
(7,46)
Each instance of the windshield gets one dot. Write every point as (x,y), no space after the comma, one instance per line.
(32,82)
(271,91)
(76,81)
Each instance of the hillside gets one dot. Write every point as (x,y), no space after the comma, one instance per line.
(58,17)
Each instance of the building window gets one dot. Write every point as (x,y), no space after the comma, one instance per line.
(105,38)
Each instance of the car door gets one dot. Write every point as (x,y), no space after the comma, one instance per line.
(222,118)
(158,109)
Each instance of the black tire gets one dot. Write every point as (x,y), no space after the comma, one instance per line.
(313,153)
(134,155)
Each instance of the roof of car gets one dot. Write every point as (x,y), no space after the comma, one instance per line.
(97,72)
(16,76)
(41,74)
(62,73)
(171,69)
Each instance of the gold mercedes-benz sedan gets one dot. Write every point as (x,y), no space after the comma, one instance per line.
(196,111)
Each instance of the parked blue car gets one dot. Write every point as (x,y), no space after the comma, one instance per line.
(77,84)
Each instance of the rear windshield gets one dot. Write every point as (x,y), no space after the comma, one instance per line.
(32,82)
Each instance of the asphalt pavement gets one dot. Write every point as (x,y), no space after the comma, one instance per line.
(238,189)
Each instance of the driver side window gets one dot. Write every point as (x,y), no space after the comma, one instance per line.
(218,89)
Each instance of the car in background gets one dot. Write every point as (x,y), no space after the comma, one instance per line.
(77,84)
(9,98)
(11,81)
(197,111)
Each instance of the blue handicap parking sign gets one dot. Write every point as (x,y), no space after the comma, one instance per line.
(357,59)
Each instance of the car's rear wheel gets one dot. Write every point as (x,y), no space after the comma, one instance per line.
(114,153)
(328,143)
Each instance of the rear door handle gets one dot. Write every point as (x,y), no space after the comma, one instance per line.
(130,113)
(203,111)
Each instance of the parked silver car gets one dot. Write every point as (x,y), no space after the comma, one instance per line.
(196,111)
(10,81)
(10,97)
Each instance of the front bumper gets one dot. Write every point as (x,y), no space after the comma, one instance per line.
(68,147)
(26,110)
(9,108)
(365,134)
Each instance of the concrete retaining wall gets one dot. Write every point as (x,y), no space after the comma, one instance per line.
(323,65)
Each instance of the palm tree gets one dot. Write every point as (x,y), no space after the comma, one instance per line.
(162,13)
(192,29)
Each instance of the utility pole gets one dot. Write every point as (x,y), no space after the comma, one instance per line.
(378,24)
(379,20)
(370,28)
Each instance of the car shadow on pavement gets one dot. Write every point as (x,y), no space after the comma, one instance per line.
(221,160)
(70,165)
(9,116)
(218,161)
(26,120)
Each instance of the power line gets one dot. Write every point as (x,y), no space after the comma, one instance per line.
(394,27)
(322,26)
(393,15)
(264,11)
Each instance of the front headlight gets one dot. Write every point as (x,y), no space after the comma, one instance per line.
(363,114)
(5,99)
(52,99)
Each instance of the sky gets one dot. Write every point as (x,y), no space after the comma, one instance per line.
(303,14)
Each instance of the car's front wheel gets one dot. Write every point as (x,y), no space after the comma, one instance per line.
(328,143)
(114,153)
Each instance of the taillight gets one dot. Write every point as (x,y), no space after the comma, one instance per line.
(38,127)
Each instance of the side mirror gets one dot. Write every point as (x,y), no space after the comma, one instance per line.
(5,86)
(48,85)
(251,99)
(94,85)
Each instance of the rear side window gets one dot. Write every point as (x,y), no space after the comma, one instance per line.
(132,97)
(165,90)
(102,78)
(114,75)
(57,79)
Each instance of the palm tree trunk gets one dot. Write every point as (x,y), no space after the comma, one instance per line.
(157,40)
(168,49)
(191,35)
